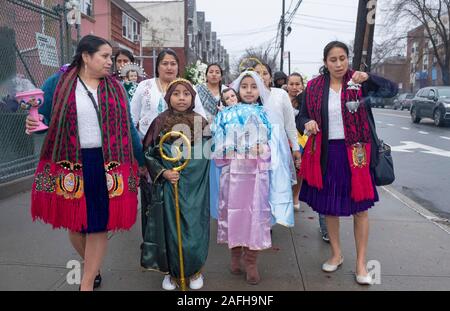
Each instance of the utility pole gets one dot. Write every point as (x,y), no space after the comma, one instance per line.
(365,28)
(283,29)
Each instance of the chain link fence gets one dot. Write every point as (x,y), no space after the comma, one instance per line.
(33,45)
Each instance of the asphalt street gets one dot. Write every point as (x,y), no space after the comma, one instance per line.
(421,155)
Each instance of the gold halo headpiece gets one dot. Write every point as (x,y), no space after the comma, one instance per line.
(249,64)
(123,71)
(179,80)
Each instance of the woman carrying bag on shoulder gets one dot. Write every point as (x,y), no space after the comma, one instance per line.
(342,151)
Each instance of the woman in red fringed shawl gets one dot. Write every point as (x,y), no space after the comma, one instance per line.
(86,180)
(341,152)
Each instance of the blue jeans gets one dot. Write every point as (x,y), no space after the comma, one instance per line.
(323,224)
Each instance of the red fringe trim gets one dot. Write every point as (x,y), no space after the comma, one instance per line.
(58,211)
(310,169)
(123,209)
(54,209)
(71,214)
(122,212)
(362,187)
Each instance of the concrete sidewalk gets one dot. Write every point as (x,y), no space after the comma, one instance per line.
(413,251)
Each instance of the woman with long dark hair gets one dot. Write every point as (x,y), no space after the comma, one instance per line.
(121,58)
(341,152)
(209,92)
(148,100)
(86,180)
(209,98)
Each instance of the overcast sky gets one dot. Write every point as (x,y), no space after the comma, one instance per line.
(241,24)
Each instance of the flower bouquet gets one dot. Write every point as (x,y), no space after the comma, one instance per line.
(196,73)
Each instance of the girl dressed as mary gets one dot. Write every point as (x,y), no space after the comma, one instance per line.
(245,143)
(160,248)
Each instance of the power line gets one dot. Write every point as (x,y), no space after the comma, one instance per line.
(250,32)
(292,15)
(328,4)
(324,28)
(290,6)
(331,25)
(328,18)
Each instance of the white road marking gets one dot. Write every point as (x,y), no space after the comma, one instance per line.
(410,147)
(423,133)
(379,122)
(444,137)
(405,128)
(389,124)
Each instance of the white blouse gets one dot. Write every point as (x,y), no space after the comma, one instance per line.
(280,101)
(147,103)
(199,103)
(335,122)
(88,127)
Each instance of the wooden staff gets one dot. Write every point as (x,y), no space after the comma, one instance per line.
(175,187)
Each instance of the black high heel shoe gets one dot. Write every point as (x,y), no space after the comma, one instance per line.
(98,281)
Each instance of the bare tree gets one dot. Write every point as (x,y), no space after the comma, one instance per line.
(433,15)
(385,49)
(264,54)
(382,50)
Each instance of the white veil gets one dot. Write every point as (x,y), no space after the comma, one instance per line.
(281,152)
(264,93)
(275,116)
(282,169)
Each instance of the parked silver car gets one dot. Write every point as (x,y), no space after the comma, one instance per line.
(403,101)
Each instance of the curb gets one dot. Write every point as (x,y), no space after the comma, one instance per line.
(442,223)
(16,186)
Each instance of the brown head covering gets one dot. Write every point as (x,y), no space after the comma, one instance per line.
(166,121)
(171,88)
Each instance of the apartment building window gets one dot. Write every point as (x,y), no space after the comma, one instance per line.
(129,28)
(86,7)
(425,61)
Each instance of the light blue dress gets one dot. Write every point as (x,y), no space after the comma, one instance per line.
(236,118)
(282,171)
(214,186)
(281,178)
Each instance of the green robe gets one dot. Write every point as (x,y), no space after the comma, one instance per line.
(160,246)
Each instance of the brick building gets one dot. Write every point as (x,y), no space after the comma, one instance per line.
(115,20)
(177,25)
(395,69)
(422,63)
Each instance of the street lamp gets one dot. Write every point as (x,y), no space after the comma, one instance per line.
(288,30)
(74,15)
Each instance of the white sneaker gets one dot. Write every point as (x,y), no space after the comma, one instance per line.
(196,283)
(168,284)
(364,279)
(297,207)
(331,268)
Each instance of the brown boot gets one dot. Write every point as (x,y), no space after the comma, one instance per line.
(251,266)
(236,254)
